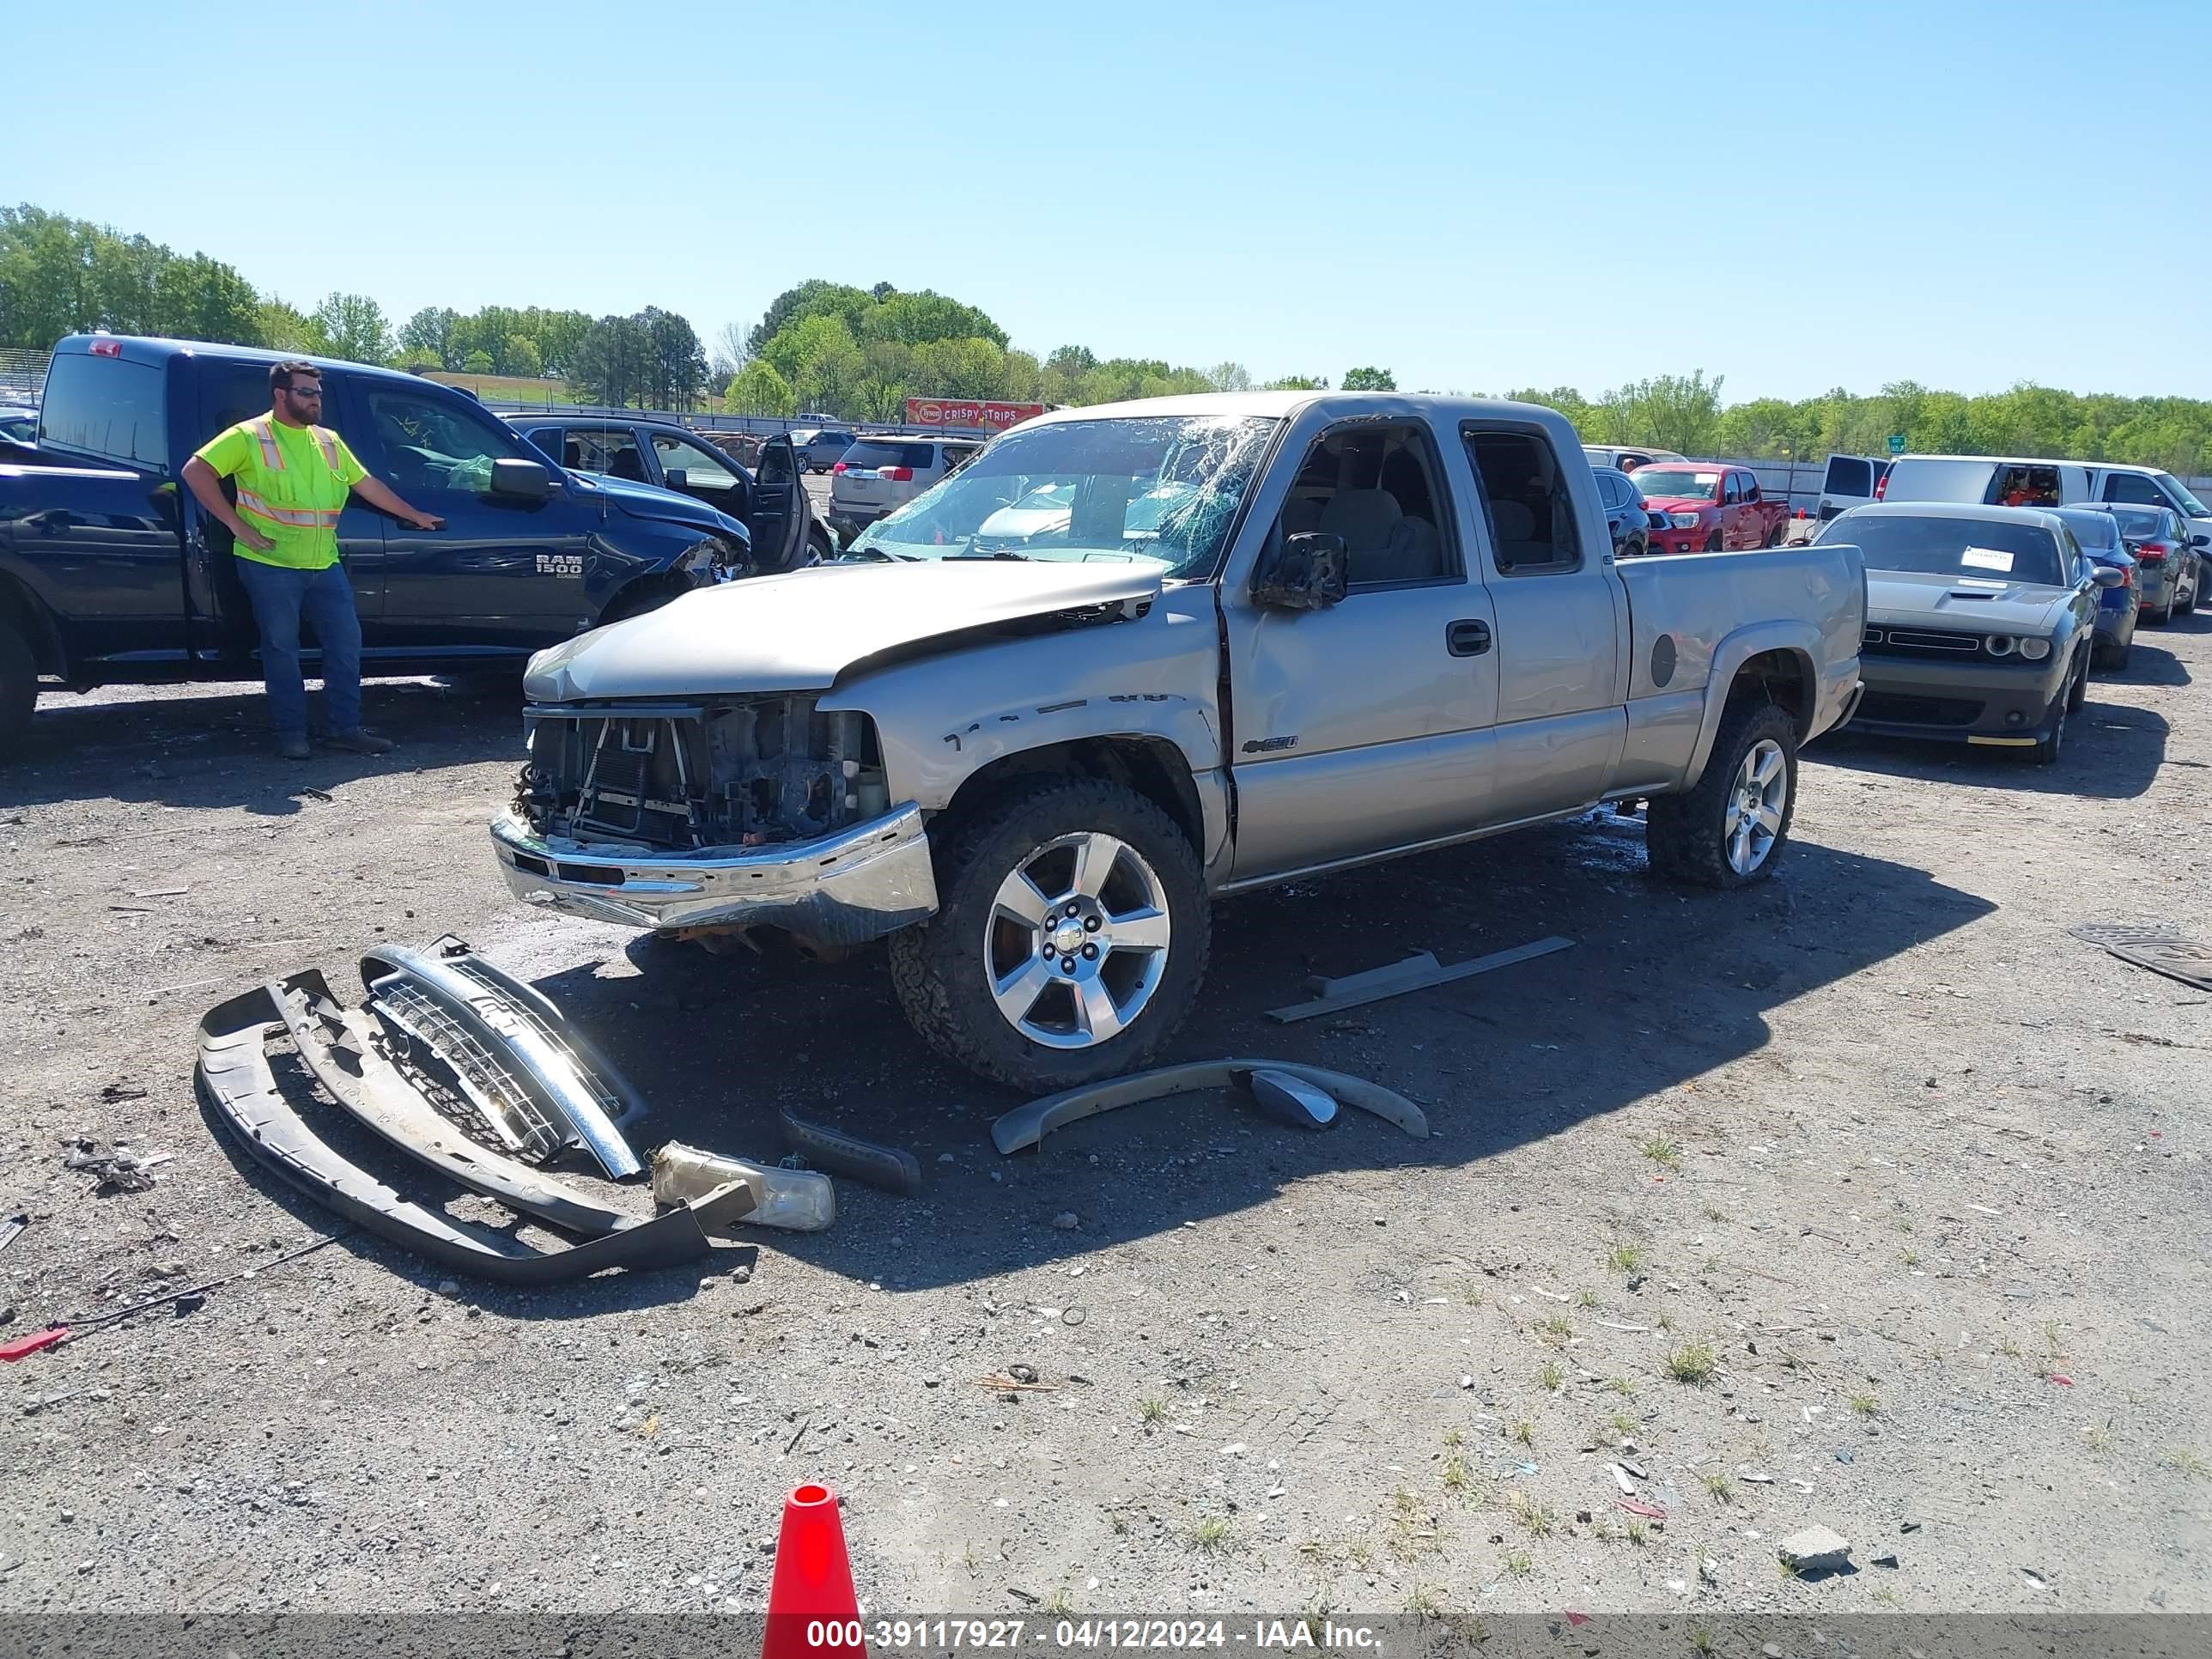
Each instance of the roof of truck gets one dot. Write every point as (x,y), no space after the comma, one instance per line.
(154,349)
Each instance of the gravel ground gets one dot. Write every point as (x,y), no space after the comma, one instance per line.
(1868,1199)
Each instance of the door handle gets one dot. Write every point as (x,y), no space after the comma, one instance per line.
(1467,639)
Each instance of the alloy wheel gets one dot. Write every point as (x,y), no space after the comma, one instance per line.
(1755,805)
(1077,941)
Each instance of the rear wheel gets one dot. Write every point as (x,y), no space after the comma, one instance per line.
(18,687)
(1070,939)
(1774,536)
(1732,828)
(2187,607)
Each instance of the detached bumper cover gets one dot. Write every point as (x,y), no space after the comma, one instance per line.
(858,885)
(235,1076)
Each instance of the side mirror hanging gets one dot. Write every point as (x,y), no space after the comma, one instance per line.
(1303,572)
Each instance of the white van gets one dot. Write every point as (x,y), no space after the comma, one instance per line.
(1851,481)
(1997,481)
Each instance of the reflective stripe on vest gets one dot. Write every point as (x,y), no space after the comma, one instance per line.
(271,457)
(299,518)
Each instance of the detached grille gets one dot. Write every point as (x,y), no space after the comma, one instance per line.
(750,772)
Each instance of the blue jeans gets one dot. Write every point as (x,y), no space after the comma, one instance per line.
(282,599)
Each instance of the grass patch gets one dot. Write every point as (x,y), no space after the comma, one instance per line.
(1454,1437)
(1519,1564)
(1585,1298)
(1625,1258)
(2098,1437)
(1909,1258)
(1665,1321)
(1693,1363)
(1638,1533)
(1701,1640)
(1059,1603)
(1622,1423)
(1558,1328)
(1523,1432)
(2187,1462)
(1426,1602)
(2008,1348)
(1152,1412)
(1455,1473)
(1714,1212)
(1210,1534)
(1721,1486)
(1553,1377)
(1667,1154)
(1865,1404)
(1530,1514)
(1620,1385)
(1712,1266)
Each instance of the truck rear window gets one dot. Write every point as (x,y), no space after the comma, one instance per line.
(105,407)
(1849,476)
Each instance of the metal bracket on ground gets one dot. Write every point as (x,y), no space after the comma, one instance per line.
(1415,973)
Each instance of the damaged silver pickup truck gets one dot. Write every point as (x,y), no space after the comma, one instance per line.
(1137,656)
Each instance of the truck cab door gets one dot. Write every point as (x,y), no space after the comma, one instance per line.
(1562,623)
(778,520)
(507,574)
(222,617)
(1363,727)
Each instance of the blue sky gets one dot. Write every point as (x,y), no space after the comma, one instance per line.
(1479,196)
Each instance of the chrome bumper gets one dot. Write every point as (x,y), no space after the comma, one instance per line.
(859,884)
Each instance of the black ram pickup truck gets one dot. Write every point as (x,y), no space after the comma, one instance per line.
(109,570)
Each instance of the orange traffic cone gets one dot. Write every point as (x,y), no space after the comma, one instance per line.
(812,1608)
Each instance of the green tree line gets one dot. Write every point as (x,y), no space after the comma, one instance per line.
(860,353)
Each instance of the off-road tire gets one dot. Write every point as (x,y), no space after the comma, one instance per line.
(1685,835)
(19,688)
(938,968)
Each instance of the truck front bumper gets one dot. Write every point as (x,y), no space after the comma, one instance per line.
(1681,541)
(1987,703)
(858,885)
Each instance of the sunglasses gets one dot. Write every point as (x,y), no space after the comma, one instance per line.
(305,390)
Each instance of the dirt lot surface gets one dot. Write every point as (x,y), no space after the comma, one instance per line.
(1868,1199)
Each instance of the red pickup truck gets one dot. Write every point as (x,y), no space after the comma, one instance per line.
(1709,507)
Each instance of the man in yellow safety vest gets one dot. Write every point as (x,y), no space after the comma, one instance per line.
(293,478)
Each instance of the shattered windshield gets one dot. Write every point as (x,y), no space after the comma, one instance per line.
(1160,490)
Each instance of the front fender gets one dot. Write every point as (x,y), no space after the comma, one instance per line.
(1799,639)
(943,718)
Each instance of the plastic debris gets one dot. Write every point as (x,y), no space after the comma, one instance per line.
(801,1200)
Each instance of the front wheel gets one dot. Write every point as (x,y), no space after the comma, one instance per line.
(1732,827)
(1713,543)
(2077,689)
(1070,939)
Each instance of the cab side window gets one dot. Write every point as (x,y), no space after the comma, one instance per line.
(2132,487)
(1378,486)
(1526,502)
(429,444)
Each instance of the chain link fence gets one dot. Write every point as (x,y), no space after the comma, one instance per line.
(22,374)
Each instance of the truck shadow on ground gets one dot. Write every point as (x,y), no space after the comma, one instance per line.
(2113,752)
(1662,987)
(213,748)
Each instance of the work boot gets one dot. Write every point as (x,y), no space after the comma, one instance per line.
(360,741)
(293,745)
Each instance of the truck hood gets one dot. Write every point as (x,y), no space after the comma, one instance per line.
(798,632)
(1678,504)
(1907,597)
(645,500)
